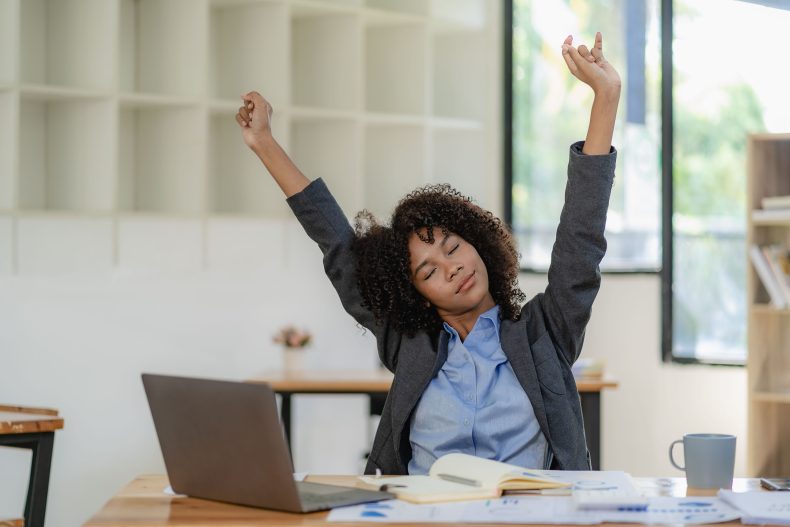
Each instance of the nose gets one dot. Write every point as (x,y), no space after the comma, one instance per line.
(454,270)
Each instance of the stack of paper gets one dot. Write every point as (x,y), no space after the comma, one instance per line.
(760,507)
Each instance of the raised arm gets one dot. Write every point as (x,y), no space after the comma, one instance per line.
(574,275)
(313,205)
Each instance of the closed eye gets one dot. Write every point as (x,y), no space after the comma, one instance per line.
(454,248)
(427,276)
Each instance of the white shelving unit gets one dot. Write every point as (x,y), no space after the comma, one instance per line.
(124,109)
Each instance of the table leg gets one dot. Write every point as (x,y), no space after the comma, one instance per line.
(377,400)
(591,410)
(41,444)
(285,416)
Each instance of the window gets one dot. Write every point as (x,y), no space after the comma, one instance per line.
(722,69)
(550,111)
(725,87)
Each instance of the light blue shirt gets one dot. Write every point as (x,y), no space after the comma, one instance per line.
(475,405)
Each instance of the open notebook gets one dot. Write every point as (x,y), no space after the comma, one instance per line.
(455,477)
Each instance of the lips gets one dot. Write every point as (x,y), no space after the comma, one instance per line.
(466,282)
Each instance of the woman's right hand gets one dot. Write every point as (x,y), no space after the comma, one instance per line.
(255,119)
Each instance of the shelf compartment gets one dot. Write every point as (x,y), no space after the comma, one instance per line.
(771,428)
(142,242)
(769,365)
(247,52)
(9,119)
(9,42)
(459,83)
(394,165)
(325,7)
(459,159)
(61,46)
(327,61)
(245,245)
(410,7)
(52,245)
(239,184)
(162,47)
(329,149)
(466,14)
(161,159)
(395,69)
(66,155)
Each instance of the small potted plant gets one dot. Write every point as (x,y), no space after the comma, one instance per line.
(293,341)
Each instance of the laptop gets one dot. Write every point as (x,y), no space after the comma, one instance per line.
(223,441)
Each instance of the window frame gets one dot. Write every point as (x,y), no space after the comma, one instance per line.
(666,270)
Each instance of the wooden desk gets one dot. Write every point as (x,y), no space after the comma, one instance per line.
(143,504)
(376,384)
(34,429)
(7,522)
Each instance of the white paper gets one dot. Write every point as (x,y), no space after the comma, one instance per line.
(597,480)
(509,509)
(537,510)
(760,507)
(691,510)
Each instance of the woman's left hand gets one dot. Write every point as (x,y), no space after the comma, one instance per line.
(590,67)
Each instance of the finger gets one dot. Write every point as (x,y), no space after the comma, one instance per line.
(255,98)
(241,121)
(244,114)
(597,50)
(580,61)
(585,53)
(568,40)
(568,60)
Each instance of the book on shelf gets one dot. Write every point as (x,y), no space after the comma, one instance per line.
(770,280)
(456,476)
(778,261)
(776,202)
(771,215)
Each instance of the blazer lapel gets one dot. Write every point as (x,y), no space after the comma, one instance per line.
(517,350)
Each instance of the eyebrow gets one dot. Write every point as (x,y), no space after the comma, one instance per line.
(425,262)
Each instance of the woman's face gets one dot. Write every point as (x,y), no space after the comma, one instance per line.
(449,273)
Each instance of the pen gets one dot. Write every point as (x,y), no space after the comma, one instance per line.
(458,479)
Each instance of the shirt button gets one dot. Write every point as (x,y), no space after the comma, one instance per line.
(466,421)
(469,397)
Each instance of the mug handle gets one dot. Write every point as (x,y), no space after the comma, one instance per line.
(671,458)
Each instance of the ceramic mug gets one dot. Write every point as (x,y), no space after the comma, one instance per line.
(709,460)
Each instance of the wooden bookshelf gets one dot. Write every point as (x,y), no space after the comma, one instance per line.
(768,328)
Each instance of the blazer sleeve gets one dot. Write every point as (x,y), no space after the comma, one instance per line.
(324,222)
(574,275)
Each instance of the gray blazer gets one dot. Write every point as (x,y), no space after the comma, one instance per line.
(541,345)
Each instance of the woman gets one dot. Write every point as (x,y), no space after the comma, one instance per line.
(474,372)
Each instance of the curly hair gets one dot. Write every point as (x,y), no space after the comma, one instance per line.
(382,255)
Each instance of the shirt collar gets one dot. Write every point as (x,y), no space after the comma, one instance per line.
(492,315)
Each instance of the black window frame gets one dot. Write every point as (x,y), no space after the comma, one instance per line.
(666,271)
